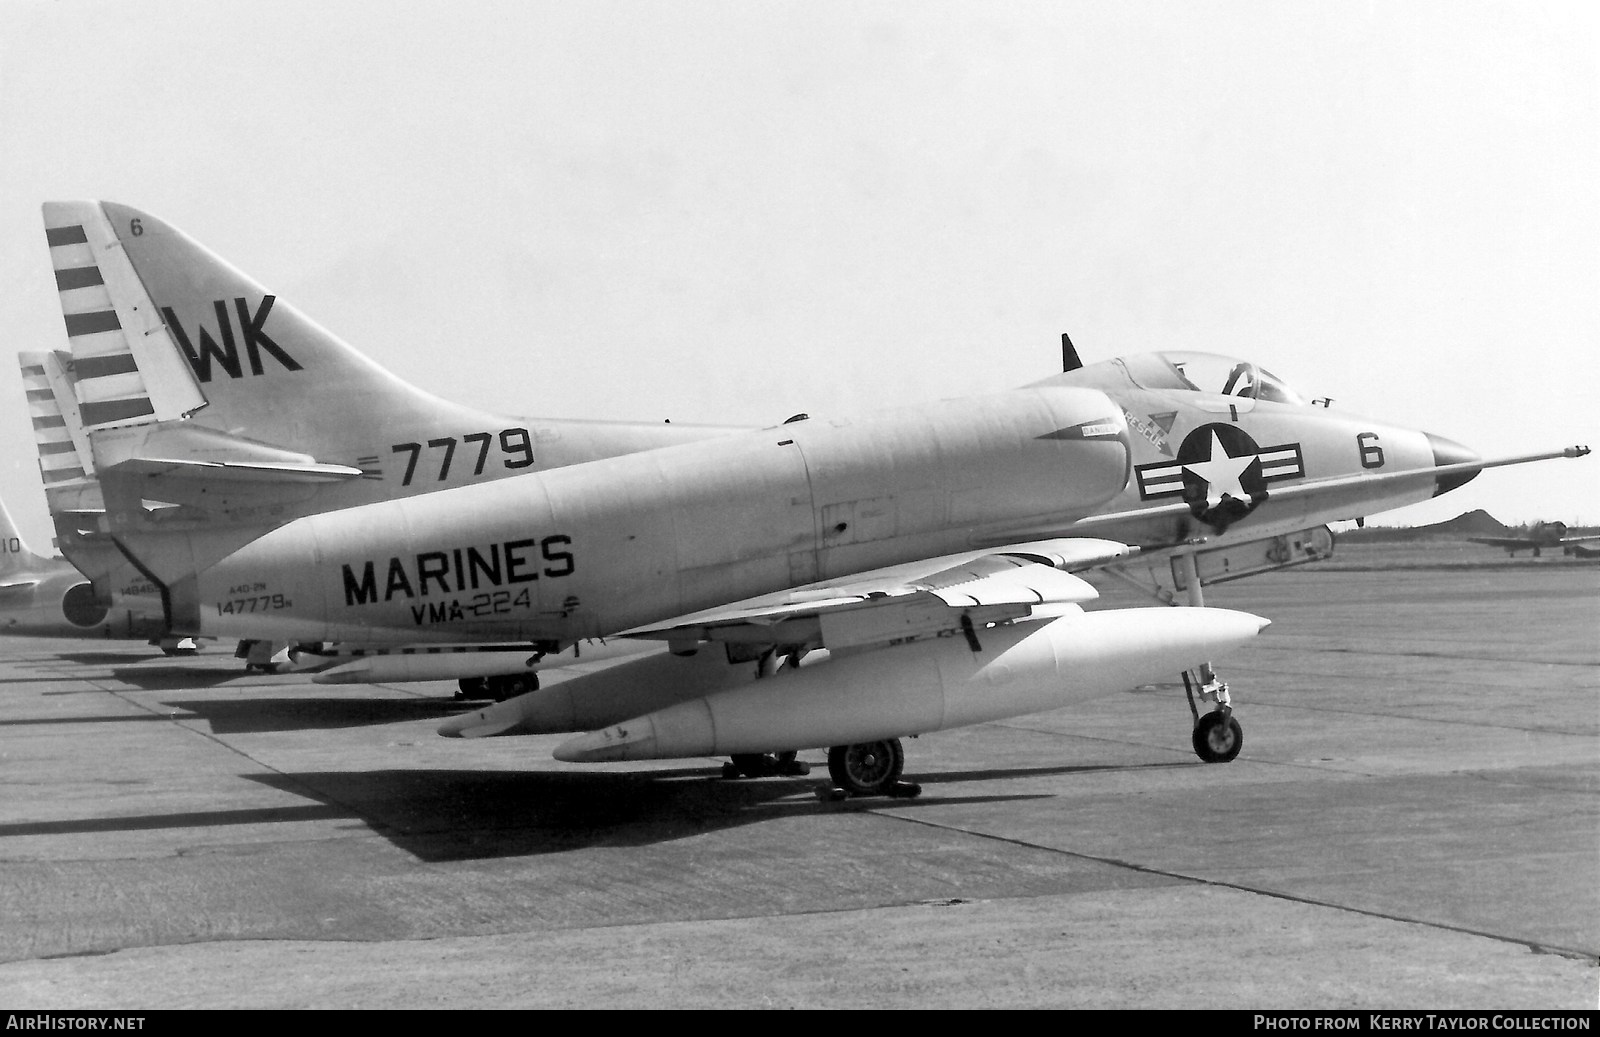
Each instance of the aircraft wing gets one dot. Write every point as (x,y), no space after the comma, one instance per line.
(947,593)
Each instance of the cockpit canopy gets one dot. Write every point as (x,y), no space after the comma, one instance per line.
(1208,372)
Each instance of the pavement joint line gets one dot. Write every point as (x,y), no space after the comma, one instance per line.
(1294,706)
(1376,714)
(1409,678)
(1536,948)
(1309,765)
(1420,655)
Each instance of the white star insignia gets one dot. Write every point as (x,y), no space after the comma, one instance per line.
(1221,473)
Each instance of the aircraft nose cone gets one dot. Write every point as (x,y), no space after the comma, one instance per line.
(1448,451)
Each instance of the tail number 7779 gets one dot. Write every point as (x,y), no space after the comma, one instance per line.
(516,448)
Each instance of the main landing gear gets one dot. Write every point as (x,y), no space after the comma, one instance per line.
(499,687)
(765,765)
(862,769)
(868,769)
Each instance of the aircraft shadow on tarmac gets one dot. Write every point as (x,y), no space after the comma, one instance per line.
(95,658)
(1000,774)
(441,816)
(163,677)
(310,712)
(262,716)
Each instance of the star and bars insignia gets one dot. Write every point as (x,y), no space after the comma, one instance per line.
(1166,478)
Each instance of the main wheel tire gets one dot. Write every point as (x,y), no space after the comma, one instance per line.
(1218,739)
(472,688)
(510,685)
(867,768)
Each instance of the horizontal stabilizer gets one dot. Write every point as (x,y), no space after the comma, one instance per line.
(181,462)
(238,471)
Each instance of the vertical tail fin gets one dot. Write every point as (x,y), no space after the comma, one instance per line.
(15,557)
(267,371)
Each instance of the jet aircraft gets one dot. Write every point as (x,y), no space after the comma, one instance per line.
(842,581)
(1541,536)
(47,597)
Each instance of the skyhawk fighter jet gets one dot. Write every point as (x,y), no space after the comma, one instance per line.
(833,580)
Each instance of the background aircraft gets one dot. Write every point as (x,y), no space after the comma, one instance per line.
(47,597)
(1541,536)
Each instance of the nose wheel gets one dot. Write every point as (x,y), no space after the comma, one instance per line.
(1218,736)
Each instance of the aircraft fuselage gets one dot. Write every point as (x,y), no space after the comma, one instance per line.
(592,549)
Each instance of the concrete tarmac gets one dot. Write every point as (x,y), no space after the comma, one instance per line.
(1414,822)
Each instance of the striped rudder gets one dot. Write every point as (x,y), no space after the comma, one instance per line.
(125,368)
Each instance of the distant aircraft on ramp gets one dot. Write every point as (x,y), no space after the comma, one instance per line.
(48,597)
(1541,536)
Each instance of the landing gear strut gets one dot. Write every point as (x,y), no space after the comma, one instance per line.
(1217,736)
(868,769)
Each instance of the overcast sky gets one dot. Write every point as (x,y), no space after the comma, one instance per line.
(730,212)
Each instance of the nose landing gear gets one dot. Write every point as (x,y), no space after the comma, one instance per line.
(1217,736)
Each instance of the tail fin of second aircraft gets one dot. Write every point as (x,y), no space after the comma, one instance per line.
(66,459)
(15,557)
